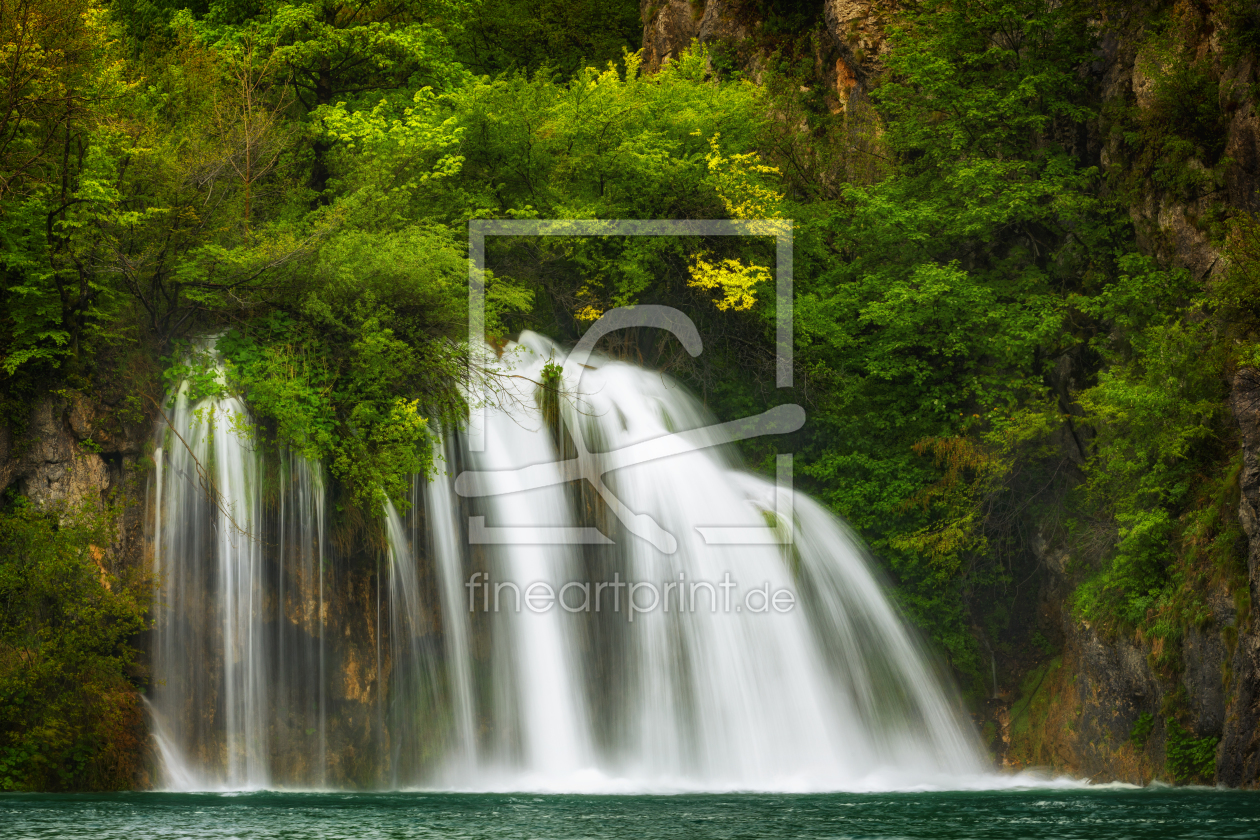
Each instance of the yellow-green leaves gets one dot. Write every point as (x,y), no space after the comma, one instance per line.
(740,180)
(392,152)
(736,281)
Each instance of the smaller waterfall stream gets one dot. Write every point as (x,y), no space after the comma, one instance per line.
(414,678)
(437,498)
(290,651)
(239,654)
(208,560)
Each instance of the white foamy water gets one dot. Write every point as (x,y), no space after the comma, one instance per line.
(831,693)
(278,665)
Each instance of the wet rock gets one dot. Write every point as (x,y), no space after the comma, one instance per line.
(1203,655)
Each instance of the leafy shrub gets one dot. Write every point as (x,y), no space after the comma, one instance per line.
(1190,759)
(1175,139)
(69,712)
(1141,732)
(1241,20)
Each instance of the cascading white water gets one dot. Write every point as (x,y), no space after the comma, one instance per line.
(537,672)
(207,558)
(727,692)
(300,671)
(238,653)
(813,683)
(437,498)
(414,679)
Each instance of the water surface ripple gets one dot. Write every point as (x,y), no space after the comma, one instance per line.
(1096,814)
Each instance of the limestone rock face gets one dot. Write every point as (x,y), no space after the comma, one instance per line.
(75,449)
(669,27)
(55,469)
(1167,228)
(1090,707)
(848,64)
(1242,144)
(48,463)
(858,28)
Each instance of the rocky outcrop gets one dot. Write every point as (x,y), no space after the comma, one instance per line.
(1242,144)
(73,449)
(1238,761)
(47,463)
(846,62)
(858,28)
(669,27)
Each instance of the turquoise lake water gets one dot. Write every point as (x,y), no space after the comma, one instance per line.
(1096,814)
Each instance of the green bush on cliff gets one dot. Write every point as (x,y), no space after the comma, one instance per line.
(352,363)
(1141,732)
(70,716)
(1162,466)
(1187,758)
(1169,134)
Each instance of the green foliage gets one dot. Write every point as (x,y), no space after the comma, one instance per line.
(33,310)
(1189,759)
(978,307)
(338,398)
(333,49)
(945,293)
(607,143)
(564,37)
(549,396)
(1160,413)
(69,712)
(1172,135)
(62,80)
(198,368)
(1241,22)
(1141,732)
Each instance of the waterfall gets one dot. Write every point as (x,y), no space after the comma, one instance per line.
(239,688)
(831,693)
(437,498)
(413,683)
(211,666)
(537,670)
(518,629)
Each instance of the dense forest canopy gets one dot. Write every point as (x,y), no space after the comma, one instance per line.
(981,343)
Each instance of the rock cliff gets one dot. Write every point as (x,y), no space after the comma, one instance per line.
(70,448)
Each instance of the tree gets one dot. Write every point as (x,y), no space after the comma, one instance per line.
(69,714)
